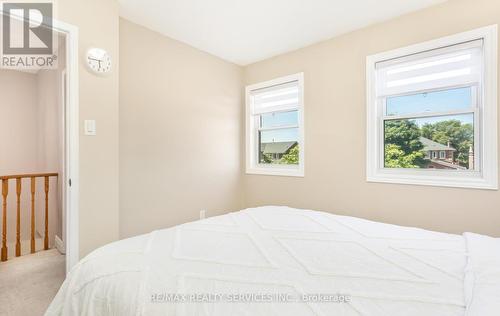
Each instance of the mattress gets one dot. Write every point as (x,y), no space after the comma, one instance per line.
(281,261)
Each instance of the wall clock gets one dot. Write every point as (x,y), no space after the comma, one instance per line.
(99,61)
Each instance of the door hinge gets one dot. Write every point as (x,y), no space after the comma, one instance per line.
(69,182)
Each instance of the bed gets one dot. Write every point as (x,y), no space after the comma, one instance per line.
(282,261)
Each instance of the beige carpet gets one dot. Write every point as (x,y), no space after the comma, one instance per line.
(29,283)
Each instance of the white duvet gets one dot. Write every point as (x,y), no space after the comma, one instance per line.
(290,262)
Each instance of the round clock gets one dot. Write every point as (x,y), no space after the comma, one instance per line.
(99,61)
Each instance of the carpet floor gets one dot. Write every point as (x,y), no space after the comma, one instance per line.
(29,283)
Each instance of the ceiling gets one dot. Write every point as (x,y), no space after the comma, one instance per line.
(246,31)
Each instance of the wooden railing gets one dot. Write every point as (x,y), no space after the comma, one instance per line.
(5,192)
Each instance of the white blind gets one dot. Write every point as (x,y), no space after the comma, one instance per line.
(444,67)
(281,97)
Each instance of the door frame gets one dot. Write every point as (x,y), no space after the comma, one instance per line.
(70,177)
(71,148)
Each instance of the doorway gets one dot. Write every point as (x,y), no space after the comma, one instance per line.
(39,179)
(42,171)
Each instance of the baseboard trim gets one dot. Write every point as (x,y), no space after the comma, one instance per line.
(60,245)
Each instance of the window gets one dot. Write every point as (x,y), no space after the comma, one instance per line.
(275,127)
(432,112)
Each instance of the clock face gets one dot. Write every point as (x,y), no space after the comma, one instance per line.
(98,60)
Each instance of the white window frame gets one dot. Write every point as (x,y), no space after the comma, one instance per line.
(252,129)
(485,176)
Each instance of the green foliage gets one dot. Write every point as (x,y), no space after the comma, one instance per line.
(405,134)
(395,157)
(460,136)
(266,158)
(403,148)
(292,157)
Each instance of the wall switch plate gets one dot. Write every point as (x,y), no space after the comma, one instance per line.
(203,214)
(90,127)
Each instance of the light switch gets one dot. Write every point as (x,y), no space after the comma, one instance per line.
(90,128)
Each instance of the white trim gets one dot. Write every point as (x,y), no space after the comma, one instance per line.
(263,129)
(59,245)
(485,119)
(72,240)
(63,96)
(252,167)
(428,114)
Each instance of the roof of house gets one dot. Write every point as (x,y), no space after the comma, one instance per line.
(432,145)
(276,147)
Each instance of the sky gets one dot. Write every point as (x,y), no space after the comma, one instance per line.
(464,118)
(280,119)
(439,101)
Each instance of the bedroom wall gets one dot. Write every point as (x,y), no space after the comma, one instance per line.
(50,131)
(18,136)
(97,21)
(335,119)
(29,136)
(18,122)
(51,137)
(180,132)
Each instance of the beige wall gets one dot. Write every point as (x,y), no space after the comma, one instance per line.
(29,134)
(18,122)
(335,119)
(51,136)
(50,150)
(165,182)
(180,132)
(18,136)
(97,21)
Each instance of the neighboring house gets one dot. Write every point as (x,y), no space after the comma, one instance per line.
(276,150)
(440,156)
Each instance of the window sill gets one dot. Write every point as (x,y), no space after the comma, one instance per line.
(284,172)
(467,179)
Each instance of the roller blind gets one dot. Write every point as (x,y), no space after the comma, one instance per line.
(282,97)
(445,67)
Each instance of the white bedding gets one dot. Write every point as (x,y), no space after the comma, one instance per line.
(277,257)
